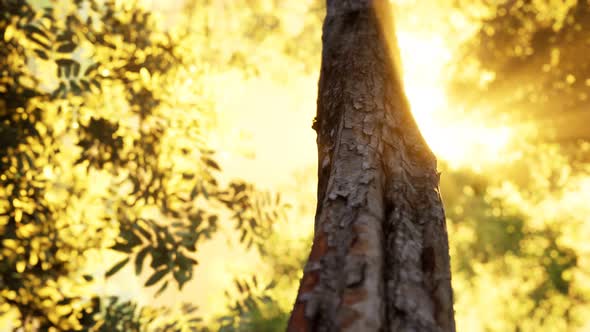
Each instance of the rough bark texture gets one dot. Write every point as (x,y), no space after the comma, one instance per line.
(380,257)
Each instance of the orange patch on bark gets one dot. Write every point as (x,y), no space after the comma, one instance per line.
(319,247)
(352,296)
(298,322)
(347,316)
(309,281)
(360,245)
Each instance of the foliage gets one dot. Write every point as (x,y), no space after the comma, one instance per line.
(126,316)
(101,148)
(253,309)
(496,239)
(523,57)
(515,226)
(262,35)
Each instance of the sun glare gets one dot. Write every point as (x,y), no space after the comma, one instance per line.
(455,137)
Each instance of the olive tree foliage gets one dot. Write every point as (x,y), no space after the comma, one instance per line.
(527,62)
(525,68)
(103,144)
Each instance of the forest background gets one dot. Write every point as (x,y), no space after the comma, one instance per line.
(158,166)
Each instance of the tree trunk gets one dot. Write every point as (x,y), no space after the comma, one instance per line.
(380,257)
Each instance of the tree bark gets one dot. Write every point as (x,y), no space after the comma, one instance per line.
(380,258)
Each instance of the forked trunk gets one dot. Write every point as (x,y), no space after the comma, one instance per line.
(380,257)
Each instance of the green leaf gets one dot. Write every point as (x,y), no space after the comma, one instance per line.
(117,267)
(95,85)
(76,66)
(122,247)
(31,29)
(91,69)
(157,276)
(239,285)
(182,276)
(67,48)
(144,232)
(139,259)
(162,288)
(42,54)
(39,42)
(159,257)
(205,193)
(212,164)
(64,301)
(75,87)
(271,285)
(85,85)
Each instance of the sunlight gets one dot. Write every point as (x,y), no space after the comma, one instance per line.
(455,136)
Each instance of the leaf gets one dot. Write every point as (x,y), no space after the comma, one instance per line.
(61,89)
(65,67)
(67,71)
(250,304)
(213,220)
(39,42)
(248,290)
(162,288)
(42,54)
(187,308)
(9,33)
(31,29)
(75,87)
(122,247)
(157,276)
(91,69)
(159,257)
(67,35)
(85,85)
(182,276)
(140,258)
(64,301)
(145,233)
(117,267)
(76,68)
(194,192)
(67,48)
(95,85)
(239,285)
(271,285)
(212,164)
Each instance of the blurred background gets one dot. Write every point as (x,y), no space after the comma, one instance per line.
(158,166)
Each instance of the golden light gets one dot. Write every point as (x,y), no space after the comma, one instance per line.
(458,137)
